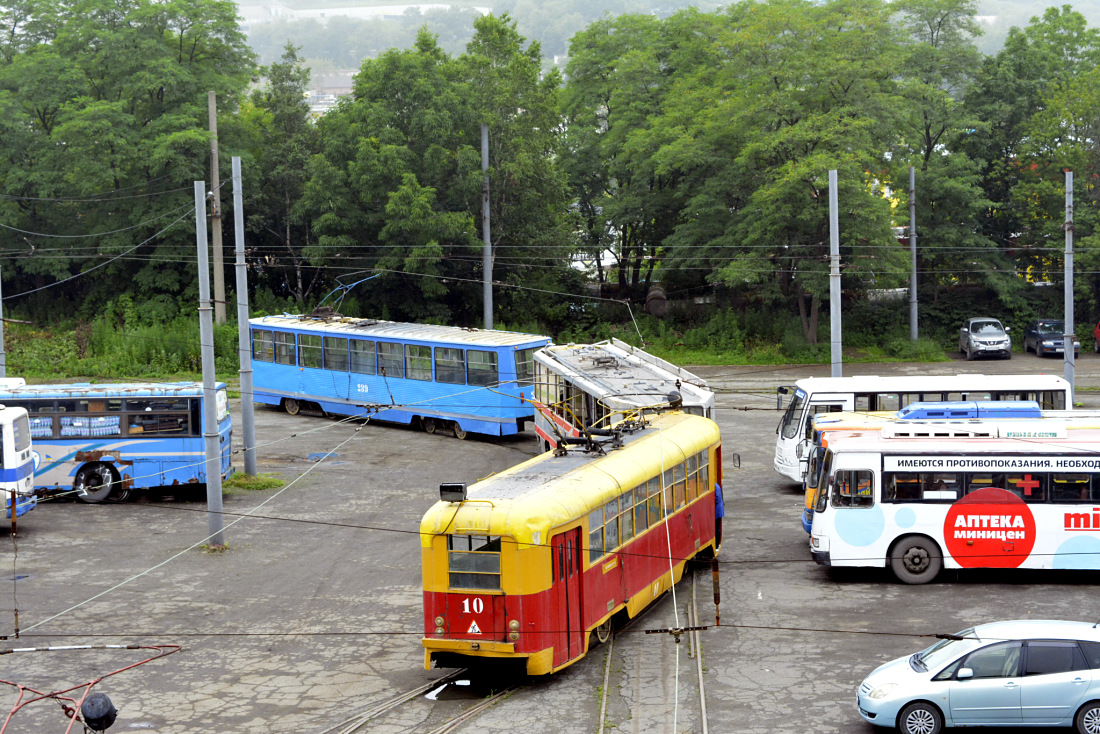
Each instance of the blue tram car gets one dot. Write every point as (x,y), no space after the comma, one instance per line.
(437,377)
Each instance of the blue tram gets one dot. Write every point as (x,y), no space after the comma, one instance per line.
(437,377)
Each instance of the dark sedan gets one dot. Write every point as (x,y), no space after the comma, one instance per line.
(1045,337)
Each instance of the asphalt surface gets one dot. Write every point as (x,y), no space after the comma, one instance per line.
(314,611)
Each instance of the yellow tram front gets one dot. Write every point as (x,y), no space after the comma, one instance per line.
(509,570)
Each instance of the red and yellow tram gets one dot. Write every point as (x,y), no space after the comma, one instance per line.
(535,559)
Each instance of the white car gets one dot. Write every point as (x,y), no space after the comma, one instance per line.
(985,337)
(1019,673)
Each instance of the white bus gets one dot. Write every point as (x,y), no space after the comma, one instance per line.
(1010,494)
(17,462)
(870,393)
(594,386)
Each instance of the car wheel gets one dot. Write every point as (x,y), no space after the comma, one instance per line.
(915,560)
(1096,346)
(1008,354)
(920,718)
(1087,720)
(969,355)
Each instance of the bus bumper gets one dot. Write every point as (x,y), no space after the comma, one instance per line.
(821,557)
(819,550)
(23,505)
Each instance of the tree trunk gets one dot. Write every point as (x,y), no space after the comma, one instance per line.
(809,320)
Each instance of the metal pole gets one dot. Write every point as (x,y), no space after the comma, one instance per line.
(209,415)
(487,256)
(3,354)
(1068,337)
(216,216)
(913,254)
(248,415)
(834,279)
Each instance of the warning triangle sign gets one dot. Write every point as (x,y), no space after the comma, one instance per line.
(474,630)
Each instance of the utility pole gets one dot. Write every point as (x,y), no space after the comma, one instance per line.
(248,416)
(487,253)
(216,215)
(1068,336)
(834,280)
(913,254)
(209,403)
(3,356)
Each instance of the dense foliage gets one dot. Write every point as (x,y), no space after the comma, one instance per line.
(690,151)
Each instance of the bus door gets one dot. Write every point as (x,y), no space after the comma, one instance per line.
(565,597)
(825,403)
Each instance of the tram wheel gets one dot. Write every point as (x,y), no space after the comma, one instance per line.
(603,632)
(290,405)
(428,424)
(95,482)
(460,433)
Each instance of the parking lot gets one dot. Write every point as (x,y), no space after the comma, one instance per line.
(315,608)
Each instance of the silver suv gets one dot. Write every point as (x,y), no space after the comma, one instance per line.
(985,337)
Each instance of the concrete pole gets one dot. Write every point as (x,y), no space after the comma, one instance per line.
(835,338)
(3,354)
(1067,337)
(209,415)
(216,216)
(248,415)
(913,254)
(487,256)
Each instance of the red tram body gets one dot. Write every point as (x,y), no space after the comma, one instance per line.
(537,558)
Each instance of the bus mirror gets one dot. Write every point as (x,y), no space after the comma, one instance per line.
(736,461)
(452,492)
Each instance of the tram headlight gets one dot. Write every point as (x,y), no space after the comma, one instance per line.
(439,621)
(514,625)
(439,630)
(513,636)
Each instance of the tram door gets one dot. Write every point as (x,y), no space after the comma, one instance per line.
(565,596)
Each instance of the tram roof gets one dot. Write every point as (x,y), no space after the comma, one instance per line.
(398,331)
(630,376)
(548,491)
(107,390)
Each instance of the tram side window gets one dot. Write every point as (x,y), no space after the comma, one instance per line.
(263,348)
(1072,488)
(863,402)
(473,561)
(704,472)
(362,357)
(525,365)
(626,519)
(692,478)
(418,362)
(595,534)
(542,378)
(336,353)
(641,514)
(309,350)
(482,369)
(1029,487)
(669,483)
(653,487)
(1051,399)
(450,366)
(611,525)
(284,348)
(680,490)
(887,401)
(391,359)
(853,488)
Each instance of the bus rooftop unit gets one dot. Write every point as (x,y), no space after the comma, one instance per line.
(435,376)
(524,566)
(582,387)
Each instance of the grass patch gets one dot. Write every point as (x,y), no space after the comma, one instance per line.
(240,480)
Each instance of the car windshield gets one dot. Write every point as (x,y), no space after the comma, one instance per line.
(1049,327)
(944,651)
(986,328)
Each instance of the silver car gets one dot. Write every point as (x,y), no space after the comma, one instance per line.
(985,337)
(1020,673)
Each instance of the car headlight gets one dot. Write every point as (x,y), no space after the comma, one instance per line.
(882,691)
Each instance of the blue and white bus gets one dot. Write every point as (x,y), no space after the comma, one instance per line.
(16,462)
(446,377)
(103,441)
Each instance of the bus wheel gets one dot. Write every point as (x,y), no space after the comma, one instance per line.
(428,425)
(460,433)
(915,560)
(290,405)
(94,482)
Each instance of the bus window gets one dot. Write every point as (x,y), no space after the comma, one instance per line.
(788,426)
(418,362)
(482,368)
(887,401)
(362,357)
(1070,488)
(450,366)
(1051,400)
(391,359)
(983,481)
(899,487)
(906,398)
(21,433)
(815,410)
(284,348)
(863,403)
(937,487)
(262,346)
(309,350)
(853,489)
(1030,487)
(336,353)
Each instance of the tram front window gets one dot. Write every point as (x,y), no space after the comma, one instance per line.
(473,561)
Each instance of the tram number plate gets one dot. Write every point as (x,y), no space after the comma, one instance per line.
(475,605)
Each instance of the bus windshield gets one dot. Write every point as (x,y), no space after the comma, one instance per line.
(789,425)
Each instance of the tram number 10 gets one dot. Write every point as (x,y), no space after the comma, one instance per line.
(475,605)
